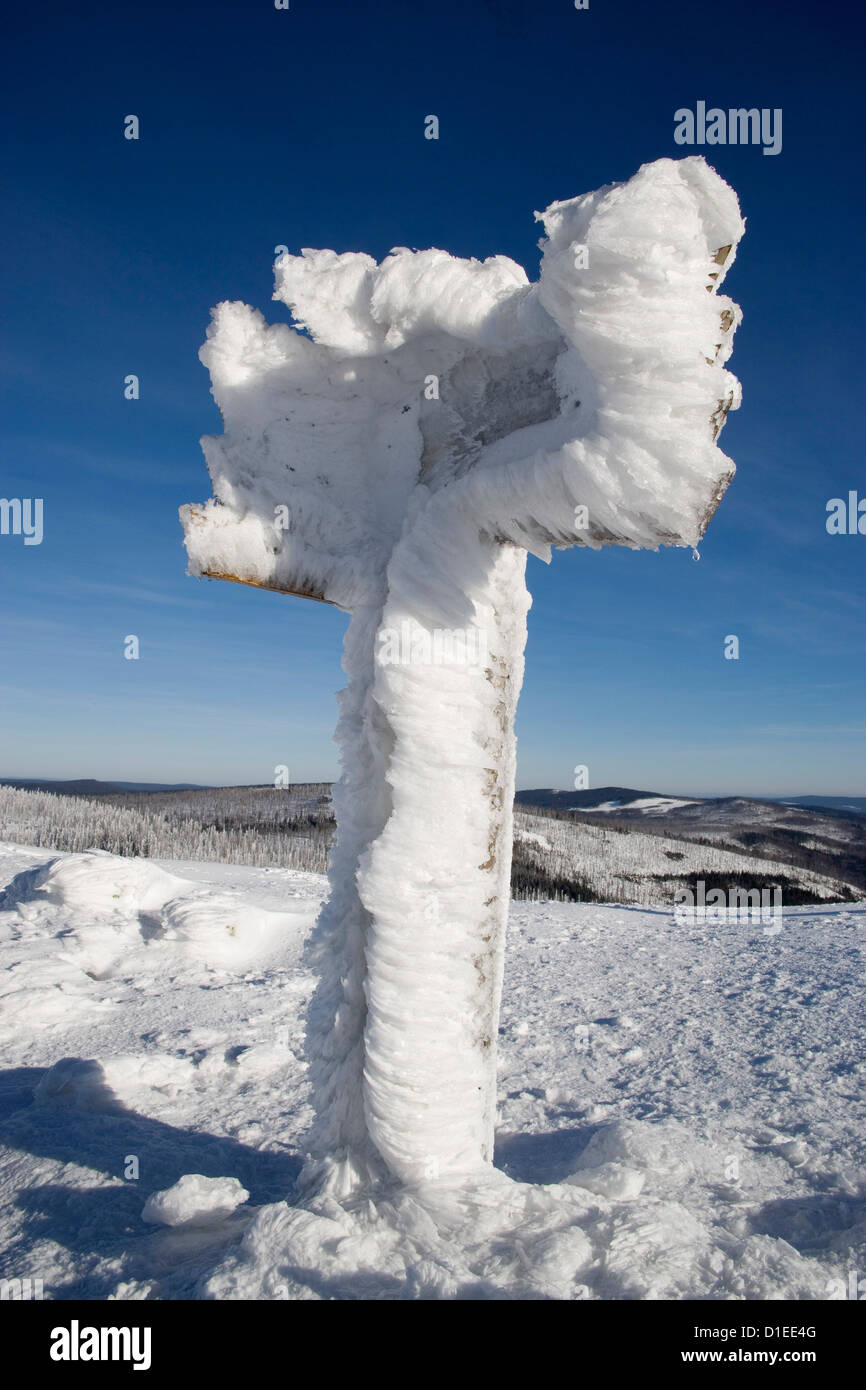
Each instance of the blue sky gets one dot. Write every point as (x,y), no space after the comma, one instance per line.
(261,127)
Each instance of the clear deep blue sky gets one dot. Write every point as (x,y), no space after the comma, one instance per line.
(305,127)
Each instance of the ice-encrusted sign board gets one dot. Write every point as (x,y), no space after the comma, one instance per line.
(397,452)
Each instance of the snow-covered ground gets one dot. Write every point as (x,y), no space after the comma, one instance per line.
(681,1107)
(644,803)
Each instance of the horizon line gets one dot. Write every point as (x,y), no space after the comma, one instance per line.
(329,781)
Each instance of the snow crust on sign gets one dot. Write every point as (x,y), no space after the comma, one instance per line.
(679,1114)
(601,386)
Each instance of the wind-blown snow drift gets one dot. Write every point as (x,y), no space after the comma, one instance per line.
(436,419)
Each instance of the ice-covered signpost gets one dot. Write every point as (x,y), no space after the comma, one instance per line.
(434,420)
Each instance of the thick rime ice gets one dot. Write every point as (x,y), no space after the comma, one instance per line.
(424,424)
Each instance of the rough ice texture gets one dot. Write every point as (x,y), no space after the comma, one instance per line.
(602,386)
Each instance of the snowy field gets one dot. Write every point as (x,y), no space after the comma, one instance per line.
(681,1108)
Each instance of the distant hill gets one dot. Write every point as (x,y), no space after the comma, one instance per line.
(627,801)
(89,786)
(824,803)
(583,800)
(806,833)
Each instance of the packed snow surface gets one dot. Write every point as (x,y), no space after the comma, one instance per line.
(680,1108)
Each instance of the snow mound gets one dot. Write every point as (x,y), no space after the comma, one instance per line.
(492,1239)
(614,1180)
(498,1239)
(195,1201)
(226,932)
(76,1084)
(94,882)
(112,907)
(665,1150)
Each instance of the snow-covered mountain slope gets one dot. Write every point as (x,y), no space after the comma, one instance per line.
(827,842)
(263,827)
(681,1109)
(582,858)
(622,865)
(692,816)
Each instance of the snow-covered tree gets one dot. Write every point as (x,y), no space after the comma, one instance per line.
(425,423)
